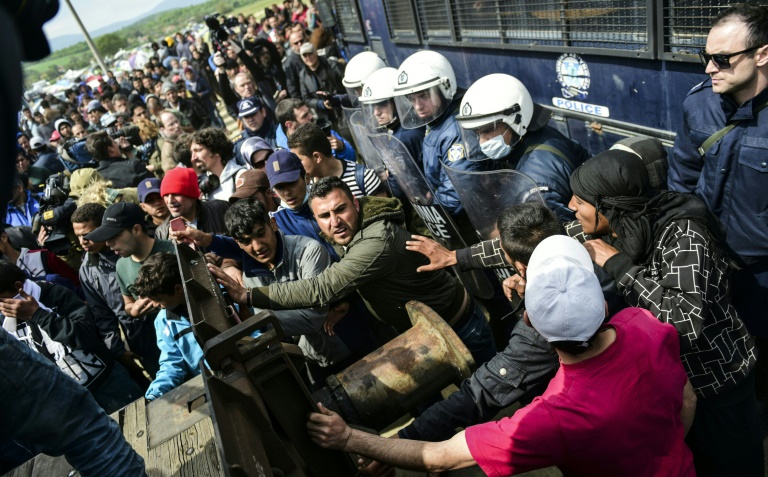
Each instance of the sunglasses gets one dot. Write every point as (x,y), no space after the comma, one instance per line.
(722,62)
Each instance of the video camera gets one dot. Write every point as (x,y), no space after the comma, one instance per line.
(220,33)
(56,209)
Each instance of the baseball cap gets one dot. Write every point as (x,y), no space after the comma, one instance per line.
(117,218)
(307,48)
(563,296)
(93,105)
(55,136)
(251,145)
(36,142)
(248,183)
(283,166)
(148,186)
(248,106)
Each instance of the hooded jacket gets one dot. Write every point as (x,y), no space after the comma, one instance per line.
(376,265)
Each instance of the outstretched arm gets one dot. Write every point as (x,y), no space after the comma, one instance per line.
(328,429)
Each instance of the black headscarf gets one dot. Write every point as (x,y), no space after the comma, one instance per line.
(616,183)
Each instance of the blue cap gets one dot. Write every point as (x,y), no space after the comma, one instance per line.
(283,167)
(148,186)
(248,106)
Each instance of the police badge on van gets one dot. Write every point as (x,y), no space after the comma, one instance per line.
(574,78)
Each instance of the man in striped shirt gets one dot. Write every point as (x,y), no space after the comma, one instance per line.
(311,145)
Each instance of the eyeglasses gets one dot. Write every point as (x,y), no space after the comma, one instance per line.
(722,62)
(298,42)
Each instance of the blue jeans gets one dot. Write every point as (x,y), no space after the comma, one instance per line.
(475,333)
(46,411)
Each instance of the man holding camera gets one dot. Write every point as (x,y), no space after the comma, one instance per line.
(112,165)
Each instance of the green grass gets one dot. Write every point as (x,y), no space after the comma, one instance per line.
(161,25)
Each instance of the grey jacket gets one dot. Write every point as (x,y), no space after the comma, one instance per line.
(298,258)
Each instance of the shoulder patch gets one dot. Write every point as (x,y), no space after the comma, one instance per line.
(456,152)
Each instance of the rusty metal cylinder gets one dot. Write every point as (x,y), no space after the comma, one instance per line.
(405,372)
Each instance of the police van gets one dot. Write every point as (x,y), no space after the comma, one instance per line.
(606,69)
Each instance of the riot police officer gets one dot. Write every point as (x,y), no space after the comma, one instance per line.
(426,94)
(498,113)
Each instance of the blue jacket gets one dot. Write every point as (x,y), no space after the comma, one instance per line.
(346,154)
(550,170)
(732,177)
(443,144)
(180,354)
(17,217)
(413,140)
(302,222)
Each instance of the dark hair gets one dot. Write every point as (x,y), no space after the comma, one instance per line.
(106,95)
(181,151)
(97,145)
(574,347)
(309,138)
(137,105)
(522,227)
(243,216)
(755,17)
(216,141)
(9,275)
(284,110)
(21,179)
(88,213)
(159,275)
(326,185)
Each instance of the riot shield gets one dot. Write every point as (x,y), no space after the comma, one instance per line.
(365,150)
(414,186)
(486,194)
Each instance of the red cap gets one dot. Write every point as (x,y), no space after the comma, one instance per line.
(181,181)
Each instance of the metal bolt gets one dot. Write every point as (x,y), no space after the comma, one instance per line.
(503,371)
(190,451)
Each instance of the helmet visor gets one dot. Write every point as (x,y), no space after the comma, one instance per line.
(420,108)
(495,139)
(379,115)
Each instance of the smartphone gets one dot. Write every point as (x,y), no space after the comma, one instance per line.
(178,224)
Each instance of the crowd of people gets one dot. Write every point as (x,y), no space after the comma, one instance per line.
(643,279)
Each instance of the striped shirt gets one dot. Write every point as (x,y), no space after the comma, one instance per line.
(371,182)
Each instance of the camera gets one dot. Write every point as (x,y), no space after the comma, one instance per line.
(129,132)
(220,33)
(56,209)
(324,125)
(75,154)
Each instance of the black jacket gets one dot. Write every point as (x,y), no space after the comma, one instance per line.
(123,172)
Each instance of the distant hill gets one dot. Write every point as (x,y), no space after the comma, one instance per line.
(64,41)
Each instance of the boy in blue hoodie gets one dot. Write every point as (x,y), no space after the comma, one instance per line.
(180,354)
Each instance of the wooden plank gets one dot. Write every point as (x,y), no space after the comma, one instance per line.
(192,453)
(176,411)
(135,426)
(47,466)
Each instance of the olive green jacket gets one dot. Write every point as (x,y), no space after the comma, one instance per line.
(377,266)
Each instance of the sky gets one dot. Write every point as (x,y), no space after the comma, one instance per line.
(95,14)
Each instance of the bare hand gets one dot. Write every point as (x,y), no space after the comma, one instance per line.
(20,308)
(439,256)
(336,145)
(235,273)
(512,285)
(141,307)
(599,251)
(42,236)
(191,235)
(213,259)
(327,429)
(336,312)
(236,291)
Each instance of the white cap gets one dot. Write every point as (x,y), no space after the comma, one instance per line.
(563,296)
(36,142)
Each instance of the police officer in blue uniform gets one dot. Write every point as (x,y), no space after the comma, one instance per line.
(256,123)
(498,113)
